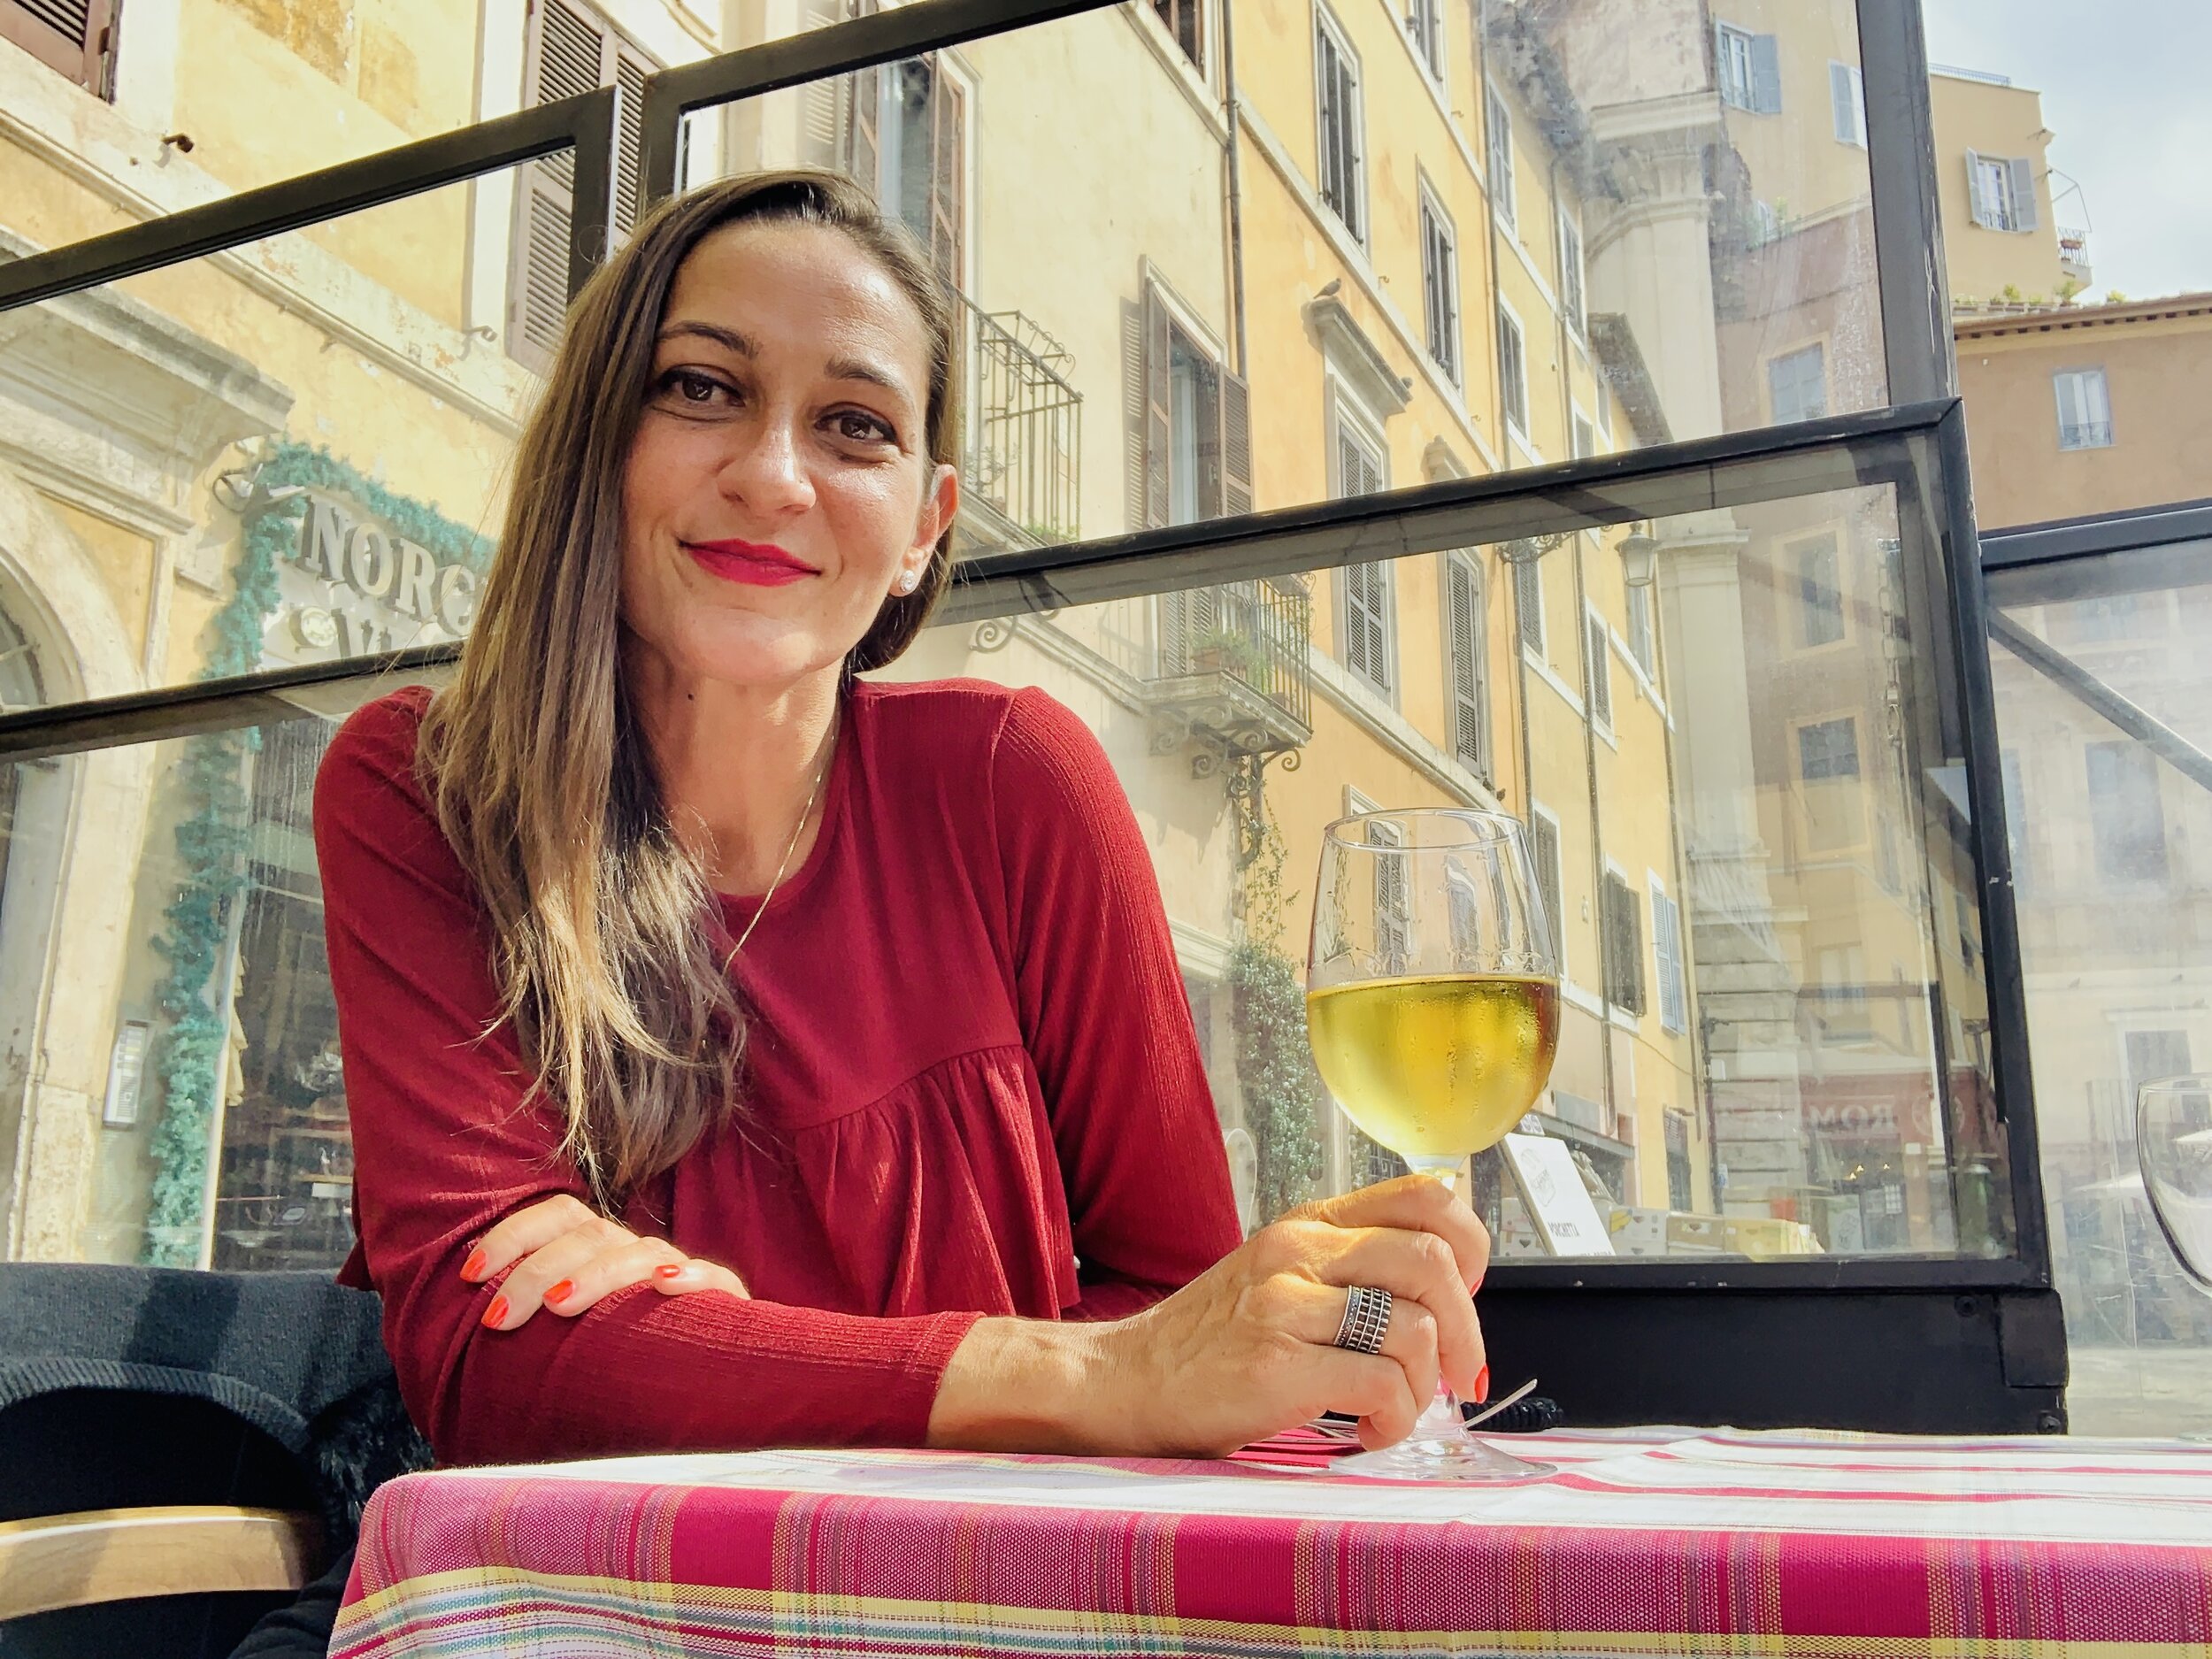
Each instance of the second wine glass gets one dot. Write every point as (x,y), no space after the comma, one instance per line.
(1433,1008)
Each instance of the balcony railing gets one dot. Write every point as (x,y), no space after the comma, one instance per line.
(1230,665)
(1021,461)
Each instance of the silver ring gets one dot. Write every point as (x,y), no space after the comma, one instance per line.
(1366,1319)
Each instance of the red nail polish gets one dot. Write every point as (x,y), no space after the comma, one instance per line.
(561,1292)
(1482,1386)
(669,1270)
(497,1311)
(473,1268)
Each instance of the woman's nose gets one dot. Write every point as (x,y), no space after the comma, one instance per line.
(768,470)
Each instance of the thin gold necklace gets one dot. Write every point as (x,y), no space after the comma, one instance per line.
(821,770)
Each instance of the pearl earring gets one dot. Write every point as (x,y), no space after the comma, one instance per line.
(909,582)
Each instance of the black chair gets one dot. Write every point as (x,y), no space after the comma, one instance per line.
(180,1453)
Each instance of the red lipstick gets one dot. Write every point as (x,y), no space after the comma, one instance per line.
(755,564)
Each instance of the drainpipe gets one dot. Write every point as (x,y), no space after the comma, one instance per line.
(1226,10)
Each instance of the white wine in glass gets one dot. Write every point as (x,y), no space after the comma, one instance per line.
(1433,1008)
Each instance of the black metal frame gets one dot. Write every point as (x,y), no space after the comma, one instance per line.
(2007,1370)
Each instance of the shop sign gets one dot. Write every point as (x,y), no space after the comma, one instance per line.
(349,587)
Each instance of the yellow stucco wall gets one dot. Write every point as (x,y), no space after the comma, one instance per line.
(1996,121)
(2156,367)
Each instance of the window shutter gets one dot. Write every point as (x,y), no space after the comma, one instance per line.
(1978,208)
(1543,836)
(567,55)
(1158,421)
(1528,603)
(1844,95)
(948,183)
(1236,445)
(1463,609)
(1666,949)
(1766,74)
(1207,442)
(825,105)
(630,69)
(1600,672)
(76,37)
(2025,215)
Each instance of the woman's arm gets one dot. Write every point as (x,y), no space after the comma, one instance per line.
(1106,1020)
(445,1148)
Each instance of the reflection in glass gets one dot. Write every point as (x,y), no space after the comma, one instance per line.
(2114,899)
(2173,1139)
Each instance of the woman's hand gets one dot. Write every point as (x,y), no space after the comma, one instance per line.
(1246,1349)
(567,1257)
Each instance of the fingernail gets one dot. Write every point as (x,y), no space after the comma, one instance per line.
(561,1292)
(497,1311)
(1482,1386)
(669,1270)
(473,1268)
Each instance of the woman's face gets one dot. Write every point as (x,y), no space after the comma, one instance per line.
(780,486)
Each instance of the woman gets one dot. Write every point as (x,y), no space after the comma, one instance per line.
(740,1053)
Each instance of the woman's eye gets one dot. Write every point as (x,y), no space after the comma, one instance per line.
(686,386)
(859,428)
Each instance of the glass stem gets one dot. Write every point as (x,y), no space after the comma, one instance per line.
(1443,1420)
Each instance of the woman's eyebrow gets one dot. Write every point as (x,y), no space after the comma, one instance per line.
(860,369)
(729,339)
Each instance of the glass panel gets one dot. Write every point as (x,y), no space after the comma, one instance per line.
(1634,258)
(1774,1041)
(2109,814)
(329,80)
(1775,1034)
(161,946)
(288,452)
(2073,375)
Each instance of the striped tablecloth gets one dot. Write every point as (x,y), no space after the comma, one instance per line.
(1646,1542)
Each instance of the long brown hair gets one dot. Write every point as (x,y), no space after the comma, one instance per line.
(610,952)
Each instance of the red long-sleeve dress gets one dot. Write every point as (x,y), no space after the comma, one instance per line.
(972,1087)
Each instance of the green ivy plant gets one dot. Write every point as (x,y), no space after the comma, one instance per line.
(1283,1098)
(212,838)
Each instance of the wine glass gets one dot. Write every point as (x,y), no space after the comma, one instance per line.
(2173,1142)
(1433,1007)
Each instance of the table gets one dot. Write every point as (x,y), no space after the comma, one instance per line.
(1682,1542)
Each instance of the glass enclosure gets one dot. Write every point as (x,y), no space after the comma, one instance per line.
(1546,340)
(2105,715)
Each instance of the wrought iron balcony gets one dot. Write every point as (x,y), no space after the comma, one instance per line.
(1230,668)
(1021,450)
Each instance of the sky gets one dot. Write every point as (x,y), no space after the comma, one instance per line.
(2125,88)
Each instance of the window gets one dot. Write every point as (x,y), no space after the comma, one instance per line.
(1622,919)
(2085,410)
(1197,436)
(1393,914)
(2154,1053)
(2000,192)
(2127,821)
(1642,644)
(1597,668)
(1367,624)
(1750,70)
(1841,994)
(1570,301)
(570,50)
(2015,812)
(1498,128)
(1543,851)
(1528,605)
(1819,594)
(1797,386)
(76,37)
(1847,92)
(1186,21)
(1512,372)
(1424,27)
(1586,437)
(1467,641)
(1666,952)
(1336,72)
(1677,1128)
(1440,285)
(1828,763)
